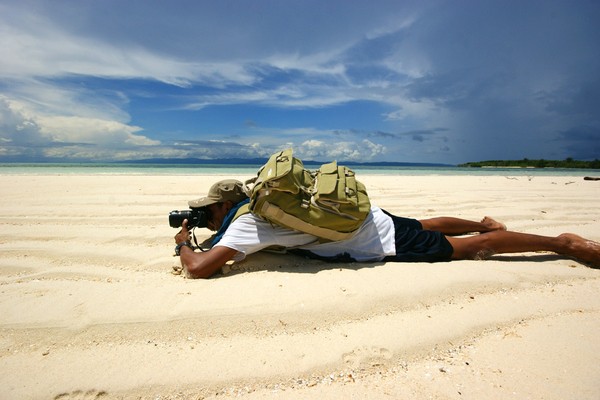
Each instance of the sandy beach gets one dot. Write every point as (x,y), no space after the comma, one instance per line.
(90,306)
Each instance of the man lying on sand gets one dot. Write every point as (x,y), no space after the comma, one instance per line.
(382,237)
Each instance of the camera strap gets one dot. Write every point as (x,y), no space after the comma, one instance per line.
(197,246)
(203,246)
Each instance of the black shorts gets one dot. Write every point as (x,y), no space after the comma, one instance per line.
(413,244)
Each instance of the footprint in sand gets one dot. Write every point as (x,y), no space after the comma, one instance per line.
(367,355)
(82,395)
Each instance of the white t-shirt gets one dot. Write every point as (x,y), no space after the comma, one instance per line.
(372,242)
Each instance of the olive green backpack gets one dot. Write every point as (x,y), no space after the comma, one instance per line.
(328,203)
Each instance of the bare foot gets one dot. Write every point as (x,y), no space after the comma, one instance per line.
(583,249)
(492,224)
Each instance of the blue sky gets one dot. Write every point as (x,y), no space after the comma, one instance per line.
(411,81)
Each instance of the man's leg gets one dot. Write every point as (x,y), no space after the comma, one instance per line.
(497,242)
(456,226)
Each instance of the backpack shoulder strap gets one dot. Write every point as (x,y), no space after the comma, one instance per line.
(245,209)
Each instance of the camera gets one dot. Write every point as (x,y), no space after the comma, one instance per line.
(197,217)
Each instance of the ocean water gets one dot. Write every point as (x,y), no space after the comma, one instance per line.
(250,170)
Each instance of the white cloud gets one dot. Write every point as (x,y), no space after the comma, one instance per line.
(24,131)
(360,151)
(32,45)
(37,97)
(323,63)
(92,131)
(16,127)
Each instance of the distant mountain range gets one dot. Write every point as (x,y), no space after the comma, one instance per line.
(261,161)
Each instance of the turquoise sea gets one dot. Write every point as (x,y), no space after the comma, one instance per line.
(250,170)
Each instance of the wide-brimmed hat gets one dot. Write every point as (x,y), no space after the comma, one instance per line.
(228,189)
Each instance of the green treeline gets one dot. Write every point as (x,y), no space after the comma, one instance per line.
(527,163)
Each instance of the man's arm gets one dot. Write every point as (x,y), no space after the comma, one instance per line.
(205,264)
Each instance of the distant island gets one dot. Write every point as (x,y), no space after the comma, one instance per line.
(527,163)
(262,161)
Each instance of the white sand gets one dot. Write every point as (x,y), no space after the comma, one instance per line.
(89,307)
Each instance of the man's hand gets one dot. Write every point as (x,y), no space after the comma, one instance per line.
(205,264)
(184,234)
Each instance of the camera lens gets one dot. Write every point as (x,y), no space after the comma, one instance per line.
(197,217)
(176,218)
